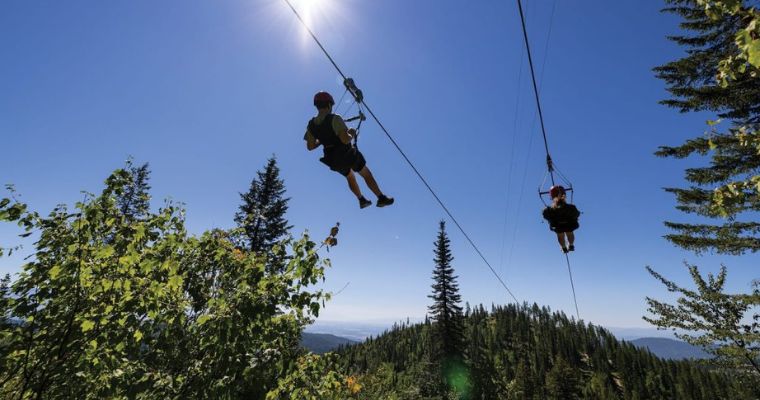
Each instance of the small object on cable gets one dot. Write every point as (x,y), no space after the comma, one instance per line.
(351,87)
(360,117)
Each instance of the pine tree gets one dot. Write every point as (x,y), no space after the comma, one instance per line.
(562,381)
(727,188)
(522,386)
(134,199)
(262,213)
(446,311)
(709,79)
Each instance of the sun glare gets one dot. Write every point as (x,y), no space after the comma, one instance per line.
(316,12)
(307,9)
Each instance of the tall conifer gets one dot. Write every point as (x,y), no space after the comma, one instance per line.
(446,310)
(262,213)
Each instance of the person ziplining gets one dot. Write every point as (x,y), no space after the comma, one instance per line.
(562,217)
(340,152)
(359,99)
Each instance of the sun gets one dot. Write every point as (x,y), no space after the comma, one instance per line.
(324,18)
(314,12)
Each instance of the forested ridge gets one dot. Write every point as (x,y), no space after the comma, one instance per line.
(530,352)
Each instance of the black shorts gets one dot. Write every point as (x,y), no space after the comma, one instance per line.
(565,227)
(344,160)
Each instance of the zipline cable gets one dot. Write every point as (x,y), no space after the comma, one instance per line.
(408,161)
(535,89)
(543,132)
(572,285)
(511,165)
(530,142)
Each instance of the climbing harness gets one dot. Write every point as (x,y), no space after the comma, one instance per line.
(545,188)
(358,96)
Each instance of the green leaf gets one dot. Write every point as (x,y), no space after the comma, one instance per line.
(87,325)
(174,282)
(105,252)
(54,272)
(203,319)
(138,335)
(753,53)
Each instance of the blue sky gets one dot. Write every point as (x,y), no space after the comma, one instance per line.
(207,91)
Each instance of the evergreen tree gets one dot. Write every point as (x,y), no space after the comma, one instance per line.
(562,381)
(133,200)
(711,78)
(446,311)
(522,386)
(727,188)
(521,345)
(262,213)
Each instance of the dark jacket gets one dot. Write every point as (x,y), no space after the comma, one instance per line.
(563,218)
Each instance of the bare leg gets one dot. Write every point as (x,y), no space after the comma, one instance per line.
(353,185)
(561,239)
(370,180)
(571,238)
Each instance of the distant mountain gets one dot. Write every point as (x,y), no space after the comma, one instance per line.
(670,348)
(354,330)
(632,333)
(323,342)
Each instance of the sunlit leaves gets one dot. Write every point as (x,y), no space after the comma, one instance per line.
(118,307)
(87,326)
(719,322)
(747,38)
(314,378)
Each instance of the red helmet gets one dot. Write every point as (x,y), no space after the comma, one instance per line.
(323,97)
(556,191)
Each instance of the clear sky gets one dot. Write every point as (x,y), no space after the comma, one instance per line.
(207,91)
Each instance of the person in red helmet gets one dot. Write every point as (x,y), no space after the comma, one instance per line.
(330,131)
(562,217)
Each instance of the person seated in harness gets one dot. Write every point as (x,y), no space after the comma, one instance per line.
(330,131)
(562,217)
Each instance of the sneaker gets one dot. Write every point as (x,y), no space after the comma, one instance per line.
(364,203)
(384,200)
(572,247)
(565,250)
